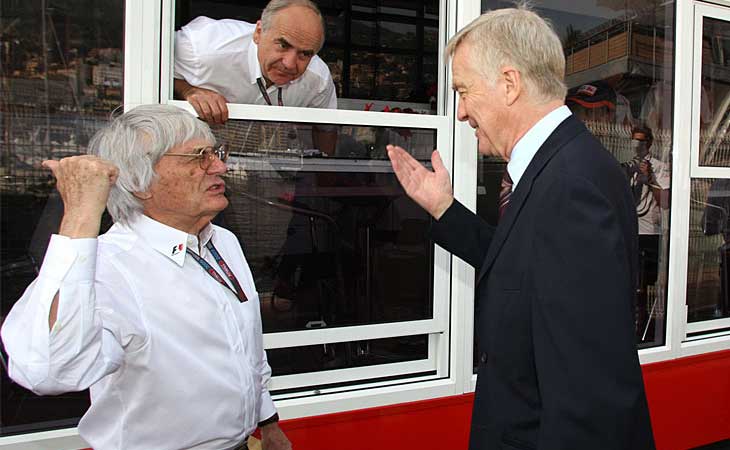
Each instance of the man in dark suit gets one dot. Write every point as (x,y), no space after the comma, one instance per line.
(558,365)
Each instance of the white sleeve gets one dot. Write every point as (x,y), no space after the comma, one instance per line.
(187,61)
(267,404)
(327,96)
(78,351)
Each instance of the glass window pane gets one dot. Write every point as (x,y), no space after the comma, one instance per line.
(715,94)
(331,238)
(709,250)
(619,73)
(317,358)
(397,35)
(379,56)
(61,77)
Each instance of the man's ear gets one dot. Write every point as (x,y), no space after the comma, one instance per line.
(257,33)
(513,84)
(142,195)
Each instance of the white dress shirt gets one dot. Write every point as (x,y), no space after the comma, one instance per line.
(649,213)
(530,143)
(172,358)
(221,55)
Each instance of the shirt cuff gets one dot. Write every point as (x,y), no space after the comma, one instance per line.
(69,260)
(268,410)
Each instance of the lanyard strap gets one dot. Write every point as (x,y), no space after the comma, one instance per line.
(213,273)
(262,88)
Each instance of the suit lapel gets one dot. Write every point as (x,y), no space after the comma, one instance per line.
(567,129)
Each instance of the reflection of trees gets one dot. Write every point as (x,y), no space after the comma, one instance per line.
(572,37)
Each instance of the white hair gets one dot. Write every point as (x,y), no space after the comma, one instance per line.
(135,142)
(520,38)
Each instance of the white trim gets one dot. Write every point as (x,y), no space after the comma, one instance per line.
(336,390)
(238,111)
(679,213)
(701,11)
(709,172)
(655,354)
(289,339)
(705,344)
(707,325)
(67,438)
(167,52)
(465,190)
(303,380)
(366,398)
(691,16)
(717,2)
(141,53)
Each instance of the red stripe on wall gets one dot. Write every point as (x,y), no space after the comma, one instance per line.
(689,402)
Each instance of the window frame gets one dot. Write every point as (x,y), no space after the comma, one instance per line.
(706,329)
(437,328)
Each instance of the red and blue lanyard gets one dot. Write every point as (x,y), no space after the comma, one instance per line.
(213,273)
(262,88)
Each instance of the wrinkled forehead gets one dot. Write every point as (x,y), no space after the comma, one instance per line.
(461,66)
(299,25)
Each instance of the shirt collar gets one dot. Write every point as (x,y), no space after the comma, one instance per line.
(170,241)
(530,143)
(254,68)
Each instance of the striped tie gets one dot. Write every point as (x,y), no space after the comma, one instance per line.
(505,191)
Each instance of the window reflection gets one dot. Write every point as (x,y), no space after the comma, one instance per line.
(381,58)
(61,76)
(709,250)
(714,94)
(330,235)
(619,69)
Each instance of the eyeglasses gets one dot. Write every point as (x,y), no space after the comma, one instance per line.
(206,155)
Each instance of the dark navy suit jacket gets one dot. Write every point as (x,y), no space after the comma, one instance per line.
(558,366)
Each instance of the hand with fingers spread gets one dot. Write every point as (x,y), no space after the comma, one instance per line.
(431,190)
(210,105)
(84,183)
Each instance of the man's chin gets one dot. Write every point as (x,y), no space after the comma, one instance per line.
(282,79)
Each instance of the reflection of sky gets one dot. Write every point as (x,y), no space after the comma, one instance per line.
(570,12)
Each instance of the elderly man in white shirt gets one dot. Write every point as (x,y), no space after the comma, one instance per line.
(271,62)
(159,316)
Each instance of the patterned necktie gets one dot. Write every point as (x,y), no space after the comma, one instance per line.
(505,192)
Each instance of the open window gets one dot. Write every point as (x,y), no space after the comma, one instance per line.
(381,56)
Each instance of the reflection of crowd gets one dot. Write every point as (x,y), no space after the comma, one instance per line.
(648,175)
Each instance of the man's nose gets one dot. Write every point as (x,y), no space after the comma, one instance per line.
(461,113)
(217,167)
(290,59)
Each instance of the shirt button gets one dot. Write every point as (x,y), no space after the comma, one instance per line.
(483,357)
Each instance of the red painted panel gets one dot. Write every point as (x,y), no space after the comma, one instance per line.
(425,425)
(689,402)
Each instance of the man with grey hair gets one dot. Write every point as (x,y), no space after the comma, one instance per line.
(271,62)
(558,366)
(159,316)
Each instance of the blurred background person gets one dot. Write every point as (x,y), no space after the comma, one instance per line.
(649,179)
